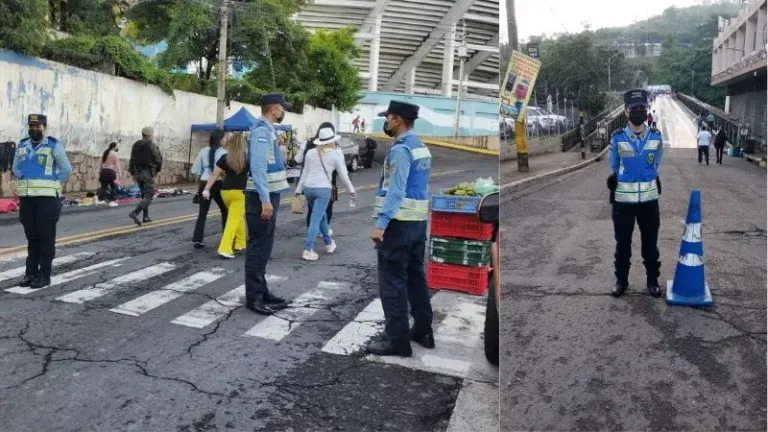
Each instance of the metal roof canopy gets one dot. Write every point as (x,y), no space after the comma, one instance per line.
(411,42)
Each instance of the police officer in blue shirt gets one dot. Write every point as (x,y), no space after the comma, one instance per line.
(634,157)
(40,166)
(401,212)
(267,178)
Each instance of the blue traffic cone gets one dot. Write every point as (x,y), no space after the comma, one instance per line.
(689,287)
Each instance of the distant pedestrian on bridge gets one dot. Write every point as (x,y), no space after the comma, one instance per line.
(634,157)
(704,140)
(720,140)
(40,166)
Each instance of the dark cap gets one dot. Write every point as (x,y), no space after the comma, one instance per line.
(402,109)
(36,119)
(636,97)
(275,99)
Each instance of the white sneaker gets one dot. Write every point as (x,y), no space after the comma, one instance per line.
(331,248)
(309,255)
(226,255)
(330,232)
(113,204)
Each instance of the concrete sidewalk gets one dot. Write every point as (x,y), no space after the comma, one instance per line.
(540,164)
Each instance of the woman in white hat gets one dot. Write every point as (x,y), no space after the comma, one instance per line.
(316,184)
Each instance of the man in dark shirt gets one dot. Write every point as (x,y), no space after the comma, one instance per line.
(146,162)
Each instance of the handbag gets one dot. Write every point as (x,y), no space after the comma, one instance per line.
(196,198)
(297,205)
(334,189)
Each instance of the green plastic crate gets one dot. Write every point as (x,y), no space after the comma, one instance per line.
(470,253)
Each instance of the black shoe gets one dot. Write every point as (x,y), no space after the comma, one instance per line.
(427,340)
(40,282)
(27,281)
(147,219)
(198,245)
(260,308)
(386,348)
(619,289)
(135,218)
(654,289)
(272,299)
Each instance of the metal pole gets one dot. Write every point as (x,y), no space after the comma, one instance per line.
(458,99)
(222,104)
(609,74)
(692,74)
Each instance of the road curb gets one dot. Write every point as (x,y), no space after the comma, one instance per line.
(449,145)
(556,173)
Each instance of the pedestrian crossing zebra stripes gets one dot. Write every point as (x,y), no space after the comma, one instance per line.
(458,326)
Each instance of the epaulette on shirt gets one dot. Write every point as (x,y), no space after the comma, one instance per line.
(616,132)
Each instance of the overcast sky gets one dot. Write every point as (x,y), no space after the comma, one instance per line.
(536,17)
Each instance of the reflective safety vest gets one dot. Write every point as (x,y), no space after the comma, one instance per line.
(39,169)
(277,179)
(415,205)
(637,165)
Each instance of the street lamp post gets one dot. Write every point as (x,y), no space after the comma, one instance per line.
(609,68)
(692,75)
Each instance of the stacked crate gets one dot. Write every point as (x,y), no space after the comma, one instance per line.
(459,245)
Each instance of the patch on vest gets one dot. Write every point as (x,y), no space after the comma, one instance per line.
(41,160)
(651,157)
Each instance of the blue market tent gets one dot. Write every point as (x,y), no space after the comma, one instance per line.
(239,121)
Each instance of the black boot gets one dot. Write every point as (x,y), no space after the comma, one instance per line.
(427,340)
(619,288)
(275,301)
(653,288)
(27,280)
(135,217)
(260,307)
(41,282)
(387,348)
(146,216)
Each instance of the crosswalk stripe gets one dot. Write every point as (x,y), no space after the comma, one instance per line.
(169,292)
(98,290)
(69,259)
(213,310)
(356,333)
(70,276)
(280,325)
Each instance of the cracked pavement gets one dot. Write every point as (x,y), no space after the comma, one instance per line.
(575,358)
(82,367)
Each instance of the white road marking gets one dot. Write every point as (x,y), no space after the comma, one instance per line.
(213,310)
(278,326)
(356,333)
(69,259)
(98,290)
(169,292)
(70,276)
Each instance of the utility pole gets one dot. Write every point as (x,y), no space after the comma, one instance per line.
(223,70)
(462,58)
(692,74)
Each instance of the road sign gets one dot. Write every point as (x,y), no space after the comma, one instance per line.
(533,50)
(518,85)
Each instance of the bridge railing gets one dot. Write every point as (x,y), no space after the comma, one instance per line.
(572,137)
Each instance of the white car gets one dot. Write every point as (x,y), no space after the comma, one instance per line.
(544,121)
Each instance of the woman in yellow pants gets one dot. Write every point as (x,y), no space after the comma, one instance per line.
(234,167)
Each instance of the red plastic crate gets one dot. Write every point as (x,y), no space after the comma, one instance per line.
(458,225)
(471,280)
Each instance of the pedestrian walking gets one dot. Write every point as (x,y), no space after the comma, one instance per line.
(401,212)
(234,166)
(146,162)
(704,139)
(300,158)
(40,166)
(362,126)
(699,121)
(356,124)
(634,157)
(711,121)
(203,166)
(262,200)
(650,120)
(320,163)
(720,140)
(655,120)
(109,175)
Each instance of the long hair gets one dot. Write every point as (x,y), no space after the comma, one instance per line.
(236,152)
(213,143)
(111,147)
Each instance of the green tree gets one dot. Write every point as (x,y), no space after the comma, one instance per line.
(90,17)
(334,79)
(25,26)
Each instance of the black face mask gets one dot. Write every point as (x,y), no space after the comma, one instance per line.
(388,130)
(280,119)
(638,117)
(35,135)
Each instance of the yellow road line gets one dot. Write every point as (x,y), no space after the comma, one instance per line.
(430,141)
(95,235)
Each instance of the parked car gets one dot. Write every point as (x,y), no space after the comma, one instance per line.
(546,122)
(351,149)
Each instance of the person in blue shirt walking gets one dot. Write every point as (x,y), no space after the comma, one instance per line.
(401,212)
(634,157)
(262,198)
(40,166)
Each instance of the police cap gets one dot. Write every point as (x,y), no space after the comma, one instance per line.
(403,109)
(636,97)
(37,119)
(275,99)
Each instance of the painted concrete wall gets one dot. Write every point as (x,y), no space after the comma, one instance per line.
(436,114)
(86,110)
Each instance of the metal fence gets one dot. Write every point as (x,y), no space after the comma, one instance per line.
(573,136)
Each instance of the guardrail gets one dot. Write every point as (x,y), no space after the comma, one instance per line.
(572,137)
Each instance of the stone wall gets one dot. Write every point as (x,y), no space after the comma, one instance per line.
(536,146)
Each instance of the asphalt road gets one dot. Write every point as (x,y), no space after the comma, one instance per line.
(141,332)
(575,358)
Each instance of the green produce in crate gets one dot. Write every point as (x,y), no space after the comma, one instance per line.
(462,189)
(461,252)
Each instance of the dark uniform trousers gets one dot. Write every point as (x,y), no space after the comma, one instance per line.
(402,280)
(205,205)
(39,216)
(648,220)
(145,179)
(261,240)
